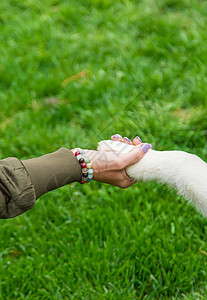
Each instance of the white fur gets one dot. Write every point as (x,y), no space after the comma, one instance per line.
(181,170)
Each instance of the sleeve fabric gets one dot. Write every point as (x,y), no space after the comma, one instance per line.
(53,170)
(17,193)
(23,182)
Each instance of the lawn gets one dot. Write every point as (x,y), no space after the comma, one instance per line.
(71,74)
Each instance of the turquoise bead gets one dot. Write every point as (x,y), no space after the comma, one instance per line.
(87,160)
(90,171)
(89,179)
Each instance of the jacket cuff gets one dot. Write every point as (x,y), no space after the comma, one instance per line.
(53,170)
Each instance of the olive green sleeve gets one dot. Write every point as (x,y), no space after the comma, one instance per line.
(17,193)
(53,170)
(23,182)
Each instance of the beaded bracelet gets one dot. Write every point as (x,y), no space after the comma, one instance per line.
(87,171)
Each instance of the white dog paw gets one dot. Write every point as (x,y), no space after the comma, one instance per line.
(114,146)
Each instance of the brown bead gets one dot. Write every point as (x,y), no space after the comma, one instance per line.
(85,170)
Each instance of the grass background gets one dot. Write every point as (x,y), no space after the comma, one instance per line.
(145,74)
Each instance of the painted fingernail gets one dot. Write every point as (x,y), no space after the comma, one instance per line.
(145,147)
(116,136)
(127,139)
(151,146)
(137,137)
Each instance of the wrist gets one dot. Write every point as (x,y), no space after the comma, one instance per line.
(85,163)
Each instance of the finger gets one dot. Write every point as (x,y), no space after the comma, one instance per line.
(134,155)
(126,181)
(126,140)
(127,177)
(126,184)
(137,140)
(116,137)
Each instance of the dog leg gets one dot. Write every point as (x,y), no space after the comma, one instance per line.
(181,170)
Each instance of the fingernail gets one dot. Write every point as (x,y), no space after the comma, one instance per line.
(151,146)
(145,147)
(137,137)
(127,139)
(116,136)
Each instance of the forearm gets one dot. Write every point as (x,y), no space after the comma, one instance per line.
(53,170)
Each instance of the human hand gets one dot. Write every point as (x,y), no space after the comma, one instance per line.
(110,167)
(136,141)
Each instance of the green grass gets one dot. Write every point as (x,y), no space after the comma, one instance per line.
(145,63)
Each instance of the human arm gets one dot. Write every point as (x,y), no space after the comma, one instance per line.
(23,182)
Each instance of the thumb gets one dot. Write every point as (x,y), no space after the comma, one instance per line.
(135,154)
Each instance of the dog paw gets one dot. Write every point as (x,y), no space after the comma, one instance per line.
(114,146)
